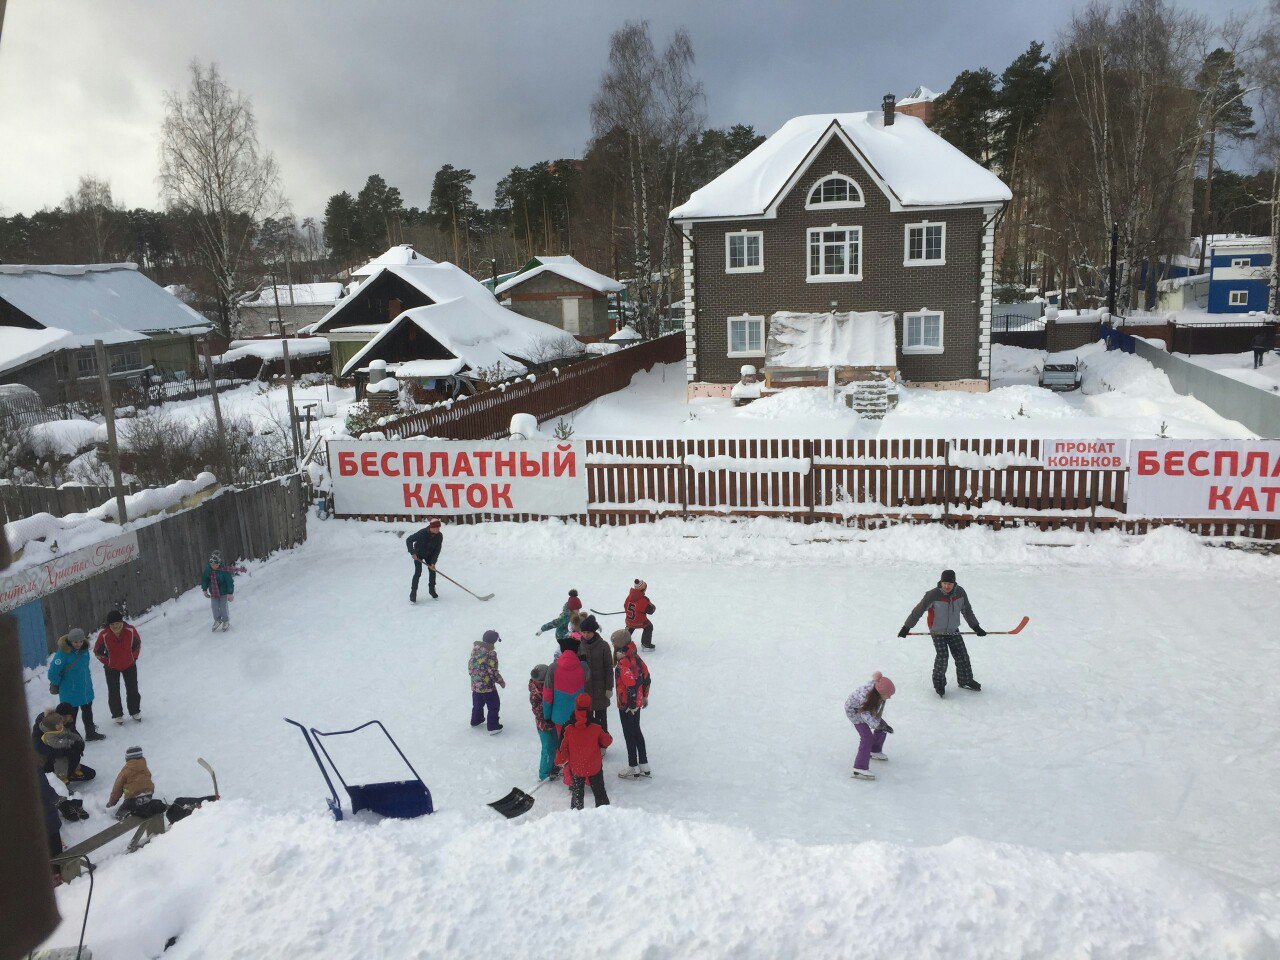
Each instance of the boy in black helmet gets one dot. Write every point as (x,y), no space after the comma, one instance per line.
(947,603)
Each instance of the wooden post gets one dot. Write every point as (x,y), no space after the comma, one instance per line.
(217,413)
(293,420)
(109,412)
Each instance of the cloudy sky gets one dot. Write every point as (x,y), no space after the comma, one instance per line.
(399,87)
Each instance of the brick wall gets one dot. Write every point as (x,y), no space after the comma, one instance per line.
(540,296)
(954,288)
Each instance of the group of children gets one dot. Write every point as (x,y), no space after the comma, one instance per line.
(570,697)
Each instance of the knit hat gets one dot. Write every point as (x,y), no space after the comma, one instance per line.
(74,634)
(66,709)
(433,523)
(114,617)
(573,603)
(884,686)
(583,702)
(948,576)
(590,625)
(539,672)
(641,585)
(490,637)
(620,639)
(133,753)
(215,558)
(568,643)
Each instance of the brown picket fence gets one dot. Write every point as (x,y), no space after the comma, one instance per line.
(861,483)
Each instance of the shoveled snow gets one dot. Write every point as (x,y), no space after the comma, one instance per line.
(1110,793)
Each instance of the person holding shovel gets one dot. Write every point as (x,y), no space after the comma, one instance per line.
(946,604)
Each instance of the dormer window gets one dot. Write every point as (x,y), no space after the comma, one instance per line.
(834,192)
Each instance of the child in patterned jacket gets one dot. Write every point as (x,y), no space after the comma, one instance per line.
(864,709)
(483,669)
(546,729)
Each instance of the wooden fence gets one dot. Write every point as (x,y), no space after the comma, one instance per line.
(247,524)
(18,501)
(863,483)
(487,415)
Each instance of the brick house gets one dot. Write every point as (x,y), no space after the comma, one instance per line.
(844,212)
(562,292)
(919,104)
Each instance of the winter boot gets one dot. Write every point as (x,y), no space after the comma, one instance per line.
(496,730)
(432,591)
(631,773)
(878,756)
(413,596)
(93,735)
(862,775)
(644,770)
(973,685)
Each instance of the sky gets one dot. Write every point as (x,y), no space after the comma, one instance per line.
(400,87)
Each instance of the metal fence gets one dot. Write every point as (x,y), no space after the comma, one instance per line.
(1010,317)
(1257,409)
(487,415)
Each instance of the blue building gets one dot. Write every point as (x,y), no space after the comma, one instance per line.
(1239,274)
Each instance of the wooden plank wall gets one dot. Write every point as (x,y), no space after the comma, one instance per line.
(247,524)
(18,501)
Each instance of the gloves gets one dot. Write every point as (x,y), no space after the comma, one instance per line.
(902,632)
(979,632)
(53,689)
(885,727)
(538,634)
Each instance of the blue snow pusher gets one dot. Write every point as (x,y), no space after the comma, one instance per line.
(401,799)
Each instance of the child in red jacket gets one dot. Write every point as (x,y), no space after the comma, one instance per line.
(580,750)
(637,609)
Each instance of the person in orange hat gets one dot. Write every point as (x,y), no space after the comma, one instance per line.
(580,750)
(865,708)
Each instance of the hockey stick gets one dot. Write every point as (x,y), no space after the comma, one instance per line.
(205,763)
(990,633)
(487,596)
(607,613)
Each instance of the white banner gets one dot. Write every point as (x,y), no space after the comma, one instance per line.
(451,477)
(1204,479)
(1083,454)
(52,575)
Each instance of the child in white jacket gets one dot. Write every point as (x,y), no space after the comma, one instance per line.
(864,708)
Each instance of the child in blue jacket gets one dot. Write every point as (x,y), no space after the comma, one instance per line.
(219,585)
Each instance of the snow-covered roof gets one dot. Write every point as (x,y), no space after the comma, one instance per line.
(273,349)
(439,281)
(397,256)
(1177,283)
(914,166)
(920,94)
(567,267)
(625,335)
(303,294)
(1239,242)
(831,339)
(111,302)
(20,345)
(427,368)
(481,333)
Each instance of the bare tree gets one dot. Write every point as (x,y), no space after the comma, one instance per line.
(94,217)
(213,170)
(651,106)
(1264,71)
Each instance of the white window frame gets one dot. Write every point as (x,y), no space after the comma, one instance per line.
(728,237)
(1242,302)
(834,204)
(1241,262)
(747,317)
(921,348)
(907,260)
(832,277)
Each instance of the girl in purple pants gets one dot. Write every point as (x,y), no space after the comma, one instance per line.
(864,708)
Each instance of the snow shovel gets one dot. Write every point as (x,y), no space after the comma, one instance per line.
(517,802)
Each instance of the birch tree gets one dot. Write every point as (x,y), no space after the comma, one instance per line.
(213,171)
(1264,72)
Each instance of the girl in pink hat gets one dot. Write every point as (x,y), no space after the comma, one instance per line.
(864,708)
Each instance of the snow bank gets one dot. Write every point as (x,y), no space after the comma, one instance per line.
(236,880)
(62,438)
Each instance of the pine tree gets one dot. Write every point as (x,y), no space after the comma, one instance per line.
(342,234)
(1026,90)
(963,115)
(1224,115)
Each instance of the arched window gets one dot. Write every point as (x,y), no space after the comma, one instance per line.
(832,192)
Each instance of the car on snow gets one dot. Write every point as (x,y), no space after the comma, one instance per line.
(1061,371)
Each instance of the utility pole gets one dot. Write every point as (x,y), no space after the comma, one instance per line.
(217,411)
(109,411)
(1111,285)
(293,420)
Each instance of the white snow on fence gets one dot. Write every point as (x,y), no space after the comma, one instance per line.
(748,464)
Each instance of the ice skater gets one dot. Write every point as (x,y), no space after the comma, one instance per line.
(632,677)
(581,753)
(71,679)
(219,585)
(483,670)
(865,709)
(597,654)
(637,608)
(424,546)
(118,648)
(946,604)
(546,729)
(561,624)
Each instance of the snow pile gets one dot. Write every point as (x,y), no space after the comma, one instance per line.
(274,349)
(62,438)
(639,885)
(972,460)
(385,385)
(625,335)
(831,339)
(1074,316)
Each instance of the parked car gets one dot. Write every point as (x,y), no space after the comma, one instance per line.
(1061,371)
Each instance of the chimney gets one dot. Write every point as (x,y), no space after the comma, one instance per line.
(890,104)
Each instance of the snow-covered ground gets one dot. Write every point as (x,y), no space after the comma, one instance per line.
(1110,793)
(1240,367)
(1122,396)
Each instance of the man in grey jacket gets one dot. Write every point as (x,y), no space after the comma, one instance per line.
(946,604)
